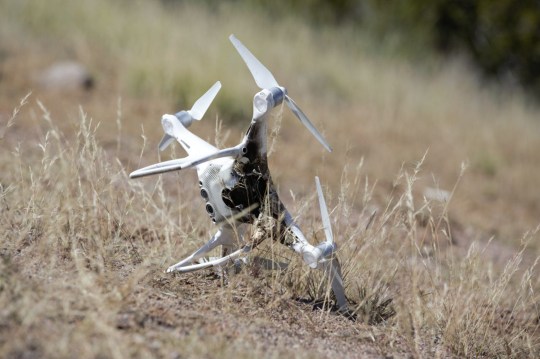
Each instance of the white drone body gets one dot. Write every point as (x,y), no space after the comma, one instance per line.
(236,185)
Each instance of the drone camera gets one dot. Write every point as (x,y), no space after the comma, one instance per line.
(204,193)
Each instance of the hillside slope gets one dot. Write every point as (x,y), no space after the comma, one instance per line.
(83,248)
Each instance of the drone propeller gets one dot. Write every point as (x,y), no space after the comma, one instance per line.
(201,105)
(265,80)
(324,213)
(196,113)
(333,268)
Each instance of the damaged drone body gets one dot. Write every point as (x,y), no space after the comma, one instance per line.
(236,185)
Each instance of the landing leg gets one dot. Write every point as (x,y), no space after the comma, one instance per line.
(224,236)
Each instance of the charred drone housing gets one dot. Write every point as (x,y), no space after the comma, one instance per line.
(236,186)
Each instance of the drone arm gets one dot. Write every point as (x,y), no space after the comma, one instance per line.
(314,256)
(227,152)
(184,163)
(173,126)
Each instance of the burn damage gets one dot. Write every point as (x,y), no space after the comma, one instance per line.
(254,187)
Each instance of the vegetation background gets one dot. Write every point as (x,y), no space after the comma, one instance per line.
(432,185)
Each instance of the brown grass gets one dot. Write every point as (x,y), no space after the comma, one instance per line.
(83,248)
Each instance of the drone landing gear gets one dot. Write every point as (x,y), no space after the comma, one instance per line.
(321,257)
(225,237)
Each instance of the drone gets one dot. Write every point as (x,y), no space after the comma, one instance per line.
(236,185)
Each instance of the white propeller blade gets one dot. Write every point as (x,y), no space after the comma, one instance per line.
(324,213)
(305,120)
(186,117)
(201,105)
(265,80)
(263,77)
(333,268)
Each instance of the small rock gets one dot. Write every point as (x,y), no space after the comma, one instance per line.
(68,75)
(436,194)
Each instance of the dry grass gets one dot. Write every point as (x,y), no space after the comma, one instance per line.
(83,248)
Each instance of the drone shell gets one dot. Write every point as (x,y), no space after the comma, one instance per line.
(214,178)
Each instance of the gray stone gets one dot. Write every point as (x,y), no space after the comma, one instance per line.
(68,75)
